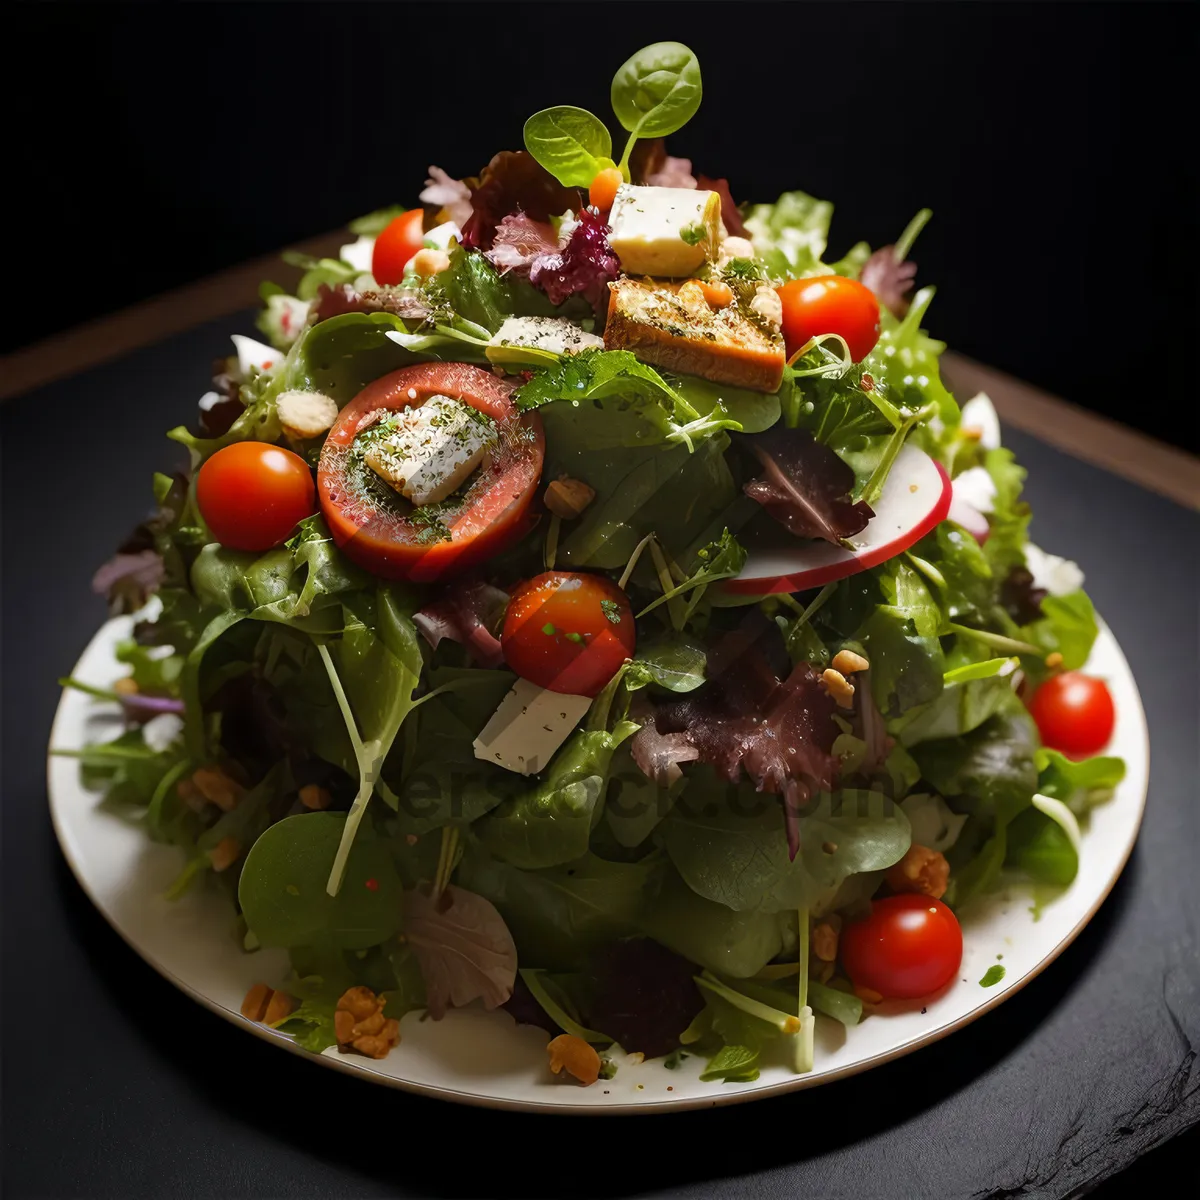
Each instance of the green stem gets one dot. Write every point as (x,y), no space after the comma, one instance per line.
(904,243)
(784,1022)
(623,165)
(927,569)
(633,560)
(996,640)
(802,932)
(557,1013)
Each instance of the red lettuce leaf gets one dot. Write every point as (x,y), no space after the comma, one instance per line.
(891,281)
(585,266)
(466,613)
(644,996)
(512,182)
(1021,599)
(805,486)
(518,242)
(776,727)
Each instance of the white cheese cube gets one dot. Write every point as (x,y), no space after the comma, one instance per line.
(430,449)
(358,254)
(554,335)
(529,726)
(663,230)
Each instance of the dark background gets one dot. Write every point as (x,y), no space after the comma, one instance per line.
(168,141)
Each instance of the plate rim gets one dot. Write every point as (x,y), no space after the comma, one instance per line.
(719,1098)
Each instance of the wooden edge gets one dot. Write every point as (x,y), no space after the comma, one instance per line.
(99,341)
(1135,456)
(1143,460)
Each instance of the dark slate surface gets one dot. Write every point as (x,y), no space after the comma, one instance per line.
(115,1085)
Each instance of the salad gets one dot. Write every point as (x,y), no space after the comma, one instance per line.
(589,600)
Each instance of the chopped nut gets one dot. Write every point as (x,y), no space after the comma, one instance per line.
(636,1058)
(735,247)
(280,1006)
(838,687)
(829,847)
(254,1006)
(567,498)
(717,295)
(921,870)
(848,662)
(868,995)
(126,687)
(224,854)
(825,941)
(189,793)
(1054,660)
(359,1024)
(573,1053)
(768,306)
(426,263)
(313,796)
(306,414)
(217,787)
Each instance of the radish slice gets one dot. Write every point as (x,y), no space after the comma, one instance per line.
(915,498)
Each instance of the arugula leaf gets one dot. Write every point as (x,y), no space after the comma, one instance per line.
(1067,625)
(571,143)
(656,92)
(719,560)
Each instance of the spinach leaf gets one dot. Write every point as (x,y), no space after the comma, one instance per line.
(1067,625)
(971,695)
(559,916)
(552,822)
(656,92)
(729,844)
(731,943)
(282,888)
(961,572)
(571,143)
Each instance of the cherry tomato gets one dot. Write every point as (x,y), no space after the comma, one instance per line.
(402,238)
(566,632)
(830,304)
(1074,714)
(908,947)
(492,510)
(603,189)
(252,494)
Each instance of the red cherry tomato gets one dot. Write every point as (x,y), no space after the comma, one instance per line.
(252,494)
(830,304)
(566,632)
(908,947)
(372,524)
(402,238)
(1074,714)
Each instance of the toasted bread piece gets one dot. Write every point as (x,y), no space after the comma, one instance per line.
(672,326)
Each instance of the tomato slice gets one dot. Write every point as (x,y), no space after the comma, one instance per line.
(375,526)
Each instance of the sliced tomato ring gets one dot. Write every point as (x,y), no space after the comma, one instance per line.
(375,526)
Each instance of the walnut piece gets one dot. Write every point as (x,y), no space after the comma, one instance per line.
(921,870)
(225,853)
(567,498)
(360,1026)
(825,941)
(576,1056)
(218,787)
(267,1007)
(848,662)
(839,687)
(313,796)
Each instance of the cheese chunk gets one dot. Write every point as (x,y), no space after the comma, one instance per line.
(553,335)
(429,450)
(663,230)
(440,236)
(529,726)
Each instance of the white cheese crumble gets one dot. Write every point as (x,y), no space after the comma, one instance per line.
(554,334)
(255,356)
(979,417)
(428,451)
(1058,576)
(358,254)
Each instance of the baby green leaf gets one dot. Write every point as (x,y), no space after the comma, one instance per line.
(571,143)
(658,90)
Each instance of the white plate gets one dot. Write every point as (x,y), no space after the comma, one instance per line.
(484,1058)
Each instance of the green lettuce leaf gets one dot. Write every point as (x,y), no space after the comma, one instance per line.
(1079,785)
